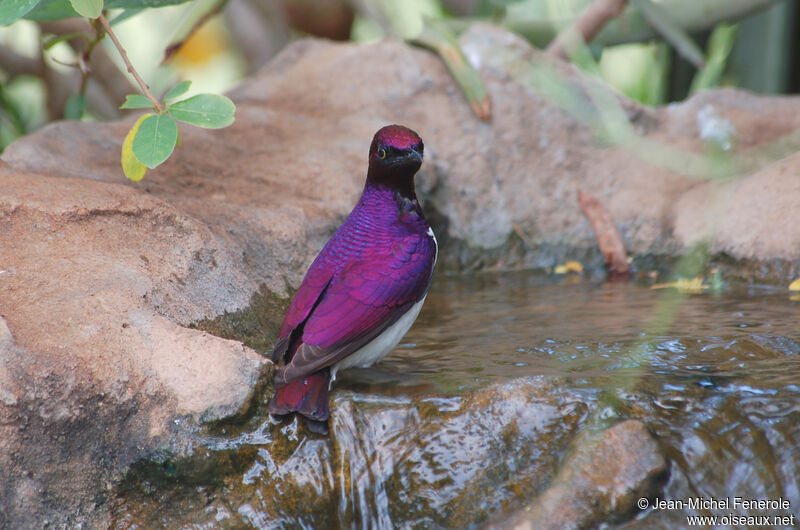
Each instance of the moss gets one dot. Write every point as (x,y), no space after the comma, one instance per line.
(457,256)
(156,494)
(257,325)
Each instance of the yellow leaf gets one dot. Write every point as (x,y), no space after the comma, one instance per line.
(684,285)
(131,166)
(795,285)
(203,44)
(570,266)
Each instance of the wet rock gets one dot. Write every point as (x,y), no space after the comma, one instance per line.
(601,480)
(390,462)
(98,274)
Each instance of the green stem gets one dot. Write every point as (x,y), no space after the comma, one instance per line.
(142,85)
(86,55)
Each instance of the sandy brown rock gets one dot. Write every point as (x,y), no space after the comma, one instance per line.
(602,479)
(543,152)
(500,194)
(747,217)
(94,368)
(97,274)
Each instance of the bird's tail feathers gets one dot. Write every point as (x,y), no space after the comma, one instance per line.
(307,396)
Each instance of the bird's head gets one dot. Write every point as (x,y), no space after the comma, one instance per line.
(395,156)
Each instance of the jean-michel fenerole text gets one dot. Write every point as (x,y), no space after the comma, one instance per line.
(725,503)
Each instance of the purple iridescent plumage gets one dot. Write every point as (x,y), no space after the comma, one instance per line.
(375,268)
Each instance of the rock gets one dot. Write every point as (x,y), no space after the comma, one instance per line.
(654,184)
(747,217)
(601,480)
(500,194)
(98,274)
(95,372)
(390,461)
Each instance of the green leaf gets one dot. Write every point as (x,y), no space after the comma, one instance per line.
(155,139)
(438,38)
(131,166)
(47,10)
(87,8)
(73,109)
(204,110)
(136,101)
(125,15)
(132,4)
(719,47)
(178,90)
(51,10)
(11,10)
(664,23)
(55,39)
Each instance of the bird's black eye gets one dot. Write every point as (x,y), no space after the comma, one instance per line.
(381,153)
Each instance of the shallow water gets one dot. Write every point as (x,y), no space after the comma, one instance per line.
(469,418)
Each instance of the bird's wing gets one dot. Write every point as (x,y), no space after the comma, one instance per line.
(314,284)
(360,302)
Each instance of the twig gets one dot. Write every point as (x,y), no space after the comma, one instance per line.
(258,29)
(438,38)
(665,25)
(56,92)
(73,64)
(522,235)
(57,84)
(586,26)
(107,78)
(83,63)
(173,48)
(142,85)
(608,239)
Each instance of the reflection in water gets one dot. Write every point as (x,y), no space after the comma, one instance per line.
(426,461)
(470,416)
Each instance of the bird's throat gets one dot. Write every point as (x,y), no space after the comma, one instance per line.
(408,205)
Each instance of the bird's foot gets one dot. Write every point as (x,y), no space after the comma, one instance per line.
(318,427)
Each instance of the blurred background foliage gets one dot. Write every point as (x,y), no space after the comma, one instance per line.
(751,44)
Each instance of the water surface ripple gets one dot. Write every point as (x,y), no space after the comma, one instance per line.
(469,418)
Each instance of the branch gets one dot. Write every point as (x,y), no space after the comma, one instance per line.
(259,29)
(178,42)
(586,26)
(608,239)
(630,26)
(56,84)
(662,22)
(14,64)
(106,76)
(438,38)
(142,85)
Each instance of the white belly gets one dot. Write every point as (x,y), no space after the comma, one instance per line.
(382,344)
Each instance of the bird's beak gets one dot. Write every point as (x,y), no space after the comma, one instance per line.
(414,155)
